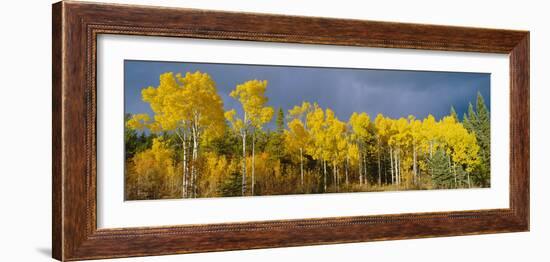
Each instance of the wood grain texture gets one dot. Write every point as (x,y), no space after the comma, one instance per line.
(76,26)
(57,192)
(519,130)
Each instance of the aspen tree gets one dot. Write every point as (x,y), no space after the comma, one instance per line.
(251,95)
(360,125)
(298,131)
(190,107)
(417,140)
(297,139)
(320,147)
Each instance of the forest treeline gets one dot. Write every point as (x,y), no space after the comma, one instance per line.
(191,147)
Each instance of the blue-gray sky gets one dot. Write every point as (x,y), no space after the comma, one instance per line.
(394,93)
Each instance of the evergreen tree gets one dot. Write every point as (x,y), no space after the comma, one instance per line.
(280,121)
(439,166)
(466,123)
(453,113)
(483,135)
(130,140)
(231,186)
(479,123)
(187,150)
(470,122)
(275,142)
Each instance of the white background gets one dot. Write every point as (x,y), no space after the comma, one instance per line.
(25,150)
(114,212)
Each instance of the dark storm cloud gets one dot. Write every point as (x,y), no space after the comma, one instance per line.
(390,92)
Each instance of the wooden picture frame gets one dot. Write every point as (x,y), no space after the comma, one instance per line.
(76,26)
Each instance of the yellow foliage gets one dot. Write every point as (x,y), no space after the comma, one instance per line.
(300,112)
(181,102)
(360,125)
(251,94)
(138,121)
(296,137)
(459,143)
(154,172)
(216,169)
(189,107)
(157,159)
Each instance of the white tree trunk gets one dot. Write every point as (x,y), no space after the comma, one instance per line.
(359,164)
(337,178)
(347,163)
(400,170)
(184,166)
(399,167)
(360,171)
(379,171)
(243,135)
(431,155)
(325,174)
(391,166)
(195,155)
(253,161)
(414,165)
(301,167)
(365,174)
(396,165)
(450,170)
(183,138)
(334,174)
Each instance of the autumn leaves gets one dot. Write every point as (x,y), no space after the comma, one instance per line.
(252,97)
(189,107)
(199,150)
(403,145)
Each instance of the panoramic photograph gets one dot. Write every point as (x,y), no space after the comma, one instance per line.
(206,130)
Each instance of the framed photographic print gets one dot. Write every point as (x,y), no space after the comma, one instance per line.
(181,130)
